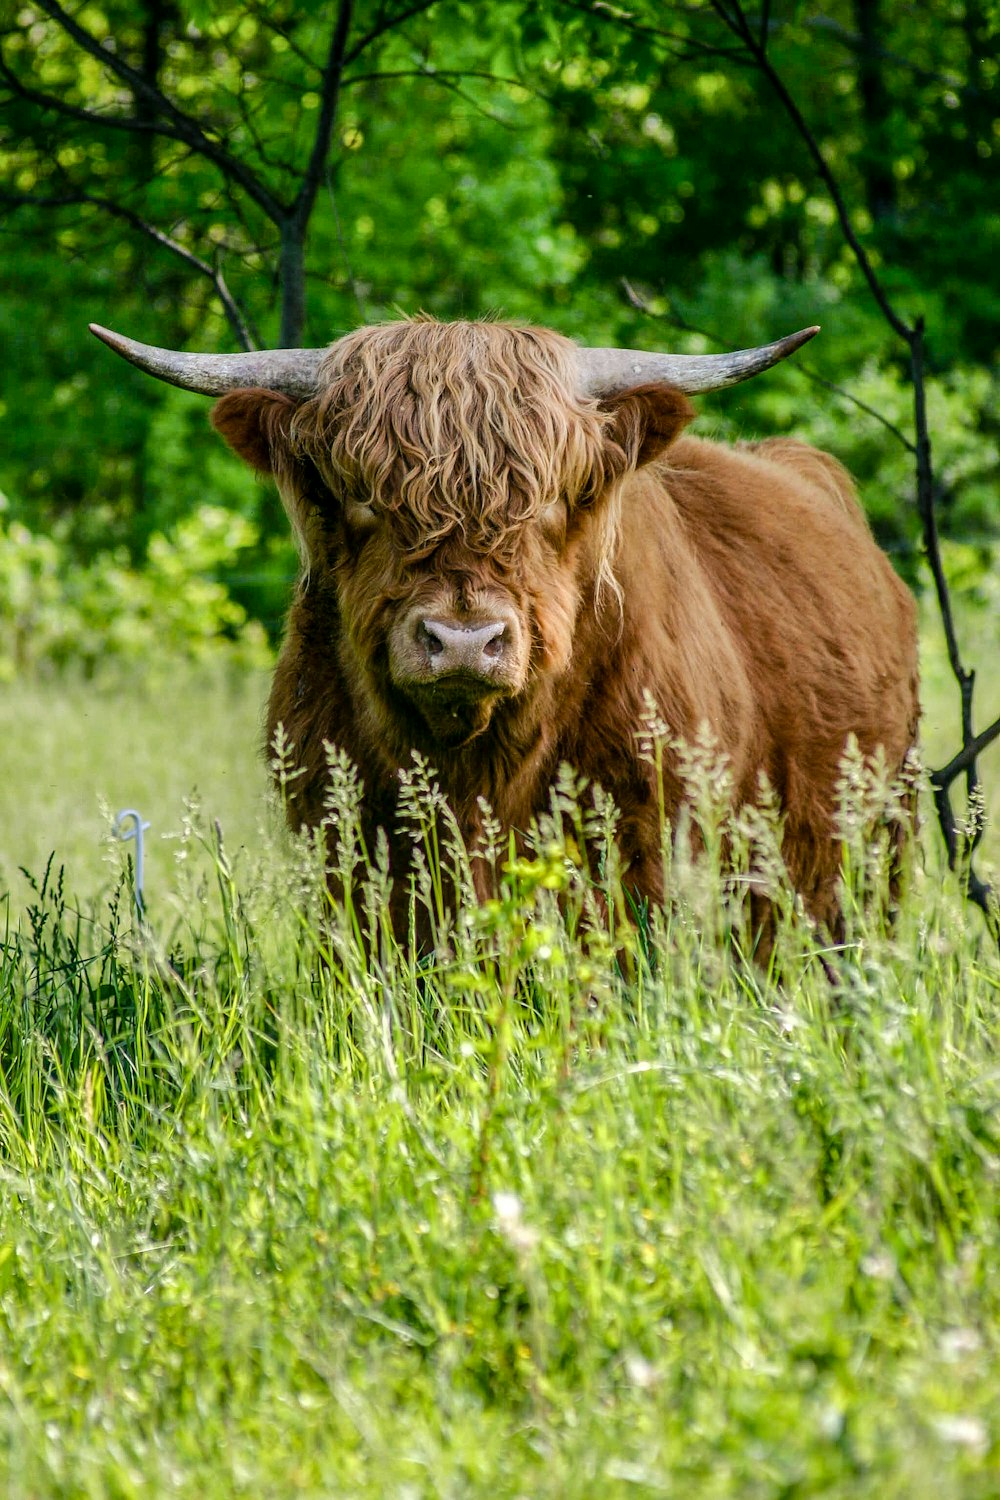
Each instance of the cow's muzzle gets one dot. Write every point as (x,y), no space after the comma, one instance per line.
(455,668)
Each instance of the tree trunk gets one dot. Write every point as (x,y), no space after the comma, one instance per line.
(155,16)
(292,281)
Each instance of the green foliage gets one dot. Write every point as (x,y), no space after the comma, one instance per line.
(514,157)
(56,611)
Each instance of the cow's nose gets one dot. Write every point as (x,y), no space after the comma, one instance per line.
(456,648)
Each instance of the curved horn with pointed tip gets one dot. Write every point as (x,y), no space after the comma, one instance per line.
(605,371)
(292,371)
(602,371)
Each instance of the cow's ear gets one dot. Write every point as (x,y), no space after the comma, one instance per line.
(646,420)
(256,424)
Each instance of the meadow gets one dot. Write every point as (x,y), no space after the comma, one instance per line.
(562,1210)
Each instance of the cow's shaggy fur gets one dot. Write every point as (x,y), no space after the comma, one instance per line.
(454,466)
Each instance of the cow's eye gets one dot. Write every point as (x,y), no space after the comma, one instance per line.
(360,518)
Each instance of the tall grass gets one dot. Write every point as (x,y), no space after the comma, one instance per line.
(582,1200)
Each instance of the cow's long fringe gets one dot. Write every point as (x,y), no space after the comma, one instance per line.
(460,429)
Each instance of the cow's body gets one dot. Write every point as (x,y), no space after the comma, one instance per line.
(509,549)
(747,595)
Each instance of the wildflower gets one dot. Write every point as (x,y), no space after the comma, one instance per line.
(510,1222)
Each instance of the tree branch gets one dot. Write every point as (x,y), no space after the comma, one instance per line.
(966,756)
(853,42)
(765,22)
(961,847)
(292,254)
(597,10)
(383,24)
(432,73)
(185,128)
(259,12)
(445,78)
(329,99)
(234,313)
(740,27)
(74,112)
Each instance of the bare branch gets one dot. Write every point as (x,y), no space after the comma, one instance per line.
(925,504)
(291,259)
(597,10)
(765,22)
(852,41)
(259,13)
(838,390)
(384,24)
(184,126)
(73,112)
(960,848)
(446,81)
(739,25)
(329,99)
(234,314)
(445,78)
(963,760)
(432,74)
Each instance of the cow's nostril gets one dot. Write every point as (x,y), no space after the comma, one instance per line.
(432,643)
(494,646)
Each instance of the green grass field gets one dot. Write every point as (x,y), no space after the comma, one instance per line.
(286,1216)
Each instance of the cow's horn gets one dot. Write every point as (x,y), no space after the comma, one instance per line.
(605,371)
(292,371)
(602,371)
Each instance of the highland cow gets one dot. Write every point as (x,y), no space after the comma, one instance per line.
(509,545)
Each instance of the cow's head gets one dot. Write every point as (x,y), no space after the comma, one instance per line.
(456,485)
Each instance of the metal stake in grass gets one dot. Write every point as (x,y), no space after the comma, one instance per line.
(136,832)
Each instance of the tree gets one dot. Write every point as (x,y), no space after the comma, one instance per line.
(128,76)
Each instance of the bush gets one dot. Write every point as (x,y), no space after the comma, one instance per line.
(56,611)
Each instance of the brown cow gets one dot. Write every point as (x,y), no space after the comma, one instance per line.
(508,543)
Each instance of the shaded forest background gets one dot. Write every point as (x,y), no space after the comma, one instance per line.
(210,175)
